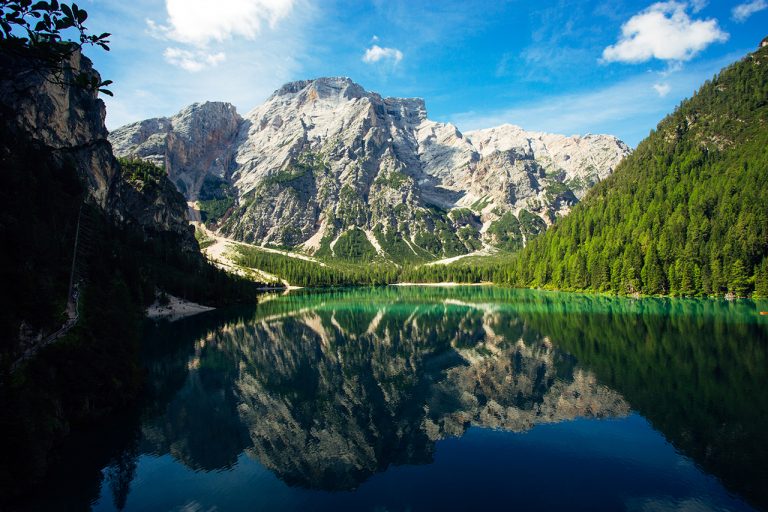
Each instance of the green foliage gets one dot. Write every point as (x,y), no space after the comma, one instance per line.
(286,176)
(555,188)
(480,204)
(299,272)
(212,210)
(761,279)
(473,269)
(397,248)
(202,239)
(307,165)
(436,233)
(214,188)
(216,199)
(141,173)
(470,237)
(685,214)
(506,233)
(351,209)
(463,216)
(36,32)
(531,224)
(394,179)
(354,245)
(428,241)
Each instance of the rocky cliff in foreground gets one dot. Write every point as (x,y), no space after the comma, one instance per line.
(87,241)
(324,160)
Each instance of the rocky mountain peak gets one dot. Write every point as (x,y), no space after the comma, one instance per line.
(324,160)
(334,91)
(206,112)
(337,87)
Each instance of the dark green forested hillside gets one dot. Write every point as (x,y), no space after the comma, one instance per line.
(686,214)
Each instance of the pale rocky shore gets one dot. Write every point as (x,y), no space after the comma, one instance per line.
(175,309)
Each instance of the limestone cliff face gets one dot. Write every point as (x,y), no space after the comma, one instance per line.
(67,122)
(192,145)
(325,159)
(155,208)
(547,172)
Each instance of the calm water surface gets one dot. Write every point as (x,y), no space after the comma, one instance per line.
(439,399)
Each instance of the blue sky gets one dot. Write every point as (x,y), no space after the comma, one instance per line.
(563,66)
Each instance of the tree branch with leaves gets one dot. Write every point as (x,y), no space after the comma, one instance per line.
(36,31)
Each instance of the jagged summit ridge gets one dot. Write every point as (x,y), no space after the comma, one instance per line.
(338,85)
(323,161)
(341,88)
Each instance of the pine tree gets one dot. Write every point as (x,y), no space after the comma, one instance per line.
(654,281)
(738,281)
(761,279)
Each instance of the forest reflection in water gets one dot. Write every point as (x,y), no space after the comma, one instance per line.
(326,389)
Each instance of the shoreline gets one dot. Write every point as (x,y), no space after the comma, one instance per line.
(446,284)
(176,309)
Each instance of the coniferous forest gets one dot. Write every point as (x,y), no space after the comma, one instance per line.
(686,214)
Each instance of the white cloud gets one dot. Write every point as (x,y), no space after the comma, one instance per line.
(197,23)
(662,88)
(698,5)
(376,53)
(743,11)
(200,22)
(673,66)
(663,31)
(253,69)
(193,60)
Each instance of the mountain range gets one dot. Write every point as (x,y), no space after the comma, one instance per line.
(330,169)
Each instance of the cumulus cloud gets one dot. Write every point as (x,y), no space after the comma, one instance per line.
(376,53)
(663,31)
(662,89)
(698,5)
(199,22)
(193,60)
(743,11)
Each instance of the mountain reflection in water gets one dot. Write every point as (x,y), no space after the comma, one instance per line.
(327,389)
(327,394)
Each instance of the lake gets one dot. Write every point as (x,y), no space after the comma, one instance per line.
(411,398)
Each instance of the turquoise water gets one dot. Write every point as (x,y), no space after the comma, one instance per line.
(439,399)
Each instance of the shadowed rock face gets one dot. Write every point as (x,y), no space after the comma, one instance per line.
(67,122)
(326,397)
(321,157)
